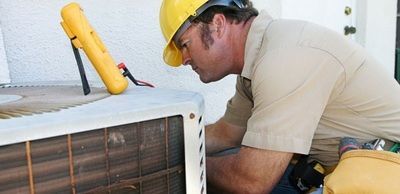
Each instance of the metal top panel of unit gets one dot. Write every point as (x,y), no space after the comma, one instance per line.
(134,105)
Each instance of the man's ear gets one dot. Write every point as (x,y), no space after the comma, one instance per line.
(219,24)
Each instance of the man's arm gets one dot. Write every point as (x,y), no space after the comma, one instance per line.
(249,171)
(222,135)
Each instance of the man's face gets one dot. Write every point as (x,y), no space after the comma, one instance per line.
(204,58)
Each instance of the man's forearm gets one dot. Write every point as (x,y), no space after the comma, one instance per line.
(218,168)
(251,170)
(224,177)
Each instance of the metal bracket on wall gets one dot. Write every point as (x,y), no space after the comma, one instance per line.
(347,10)
(348,30)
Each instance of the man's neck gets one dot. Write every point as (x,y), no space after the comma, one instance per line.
(240,33)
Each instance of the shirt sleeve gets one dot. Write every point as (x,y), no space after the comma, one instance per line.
(238,108)
(290,95)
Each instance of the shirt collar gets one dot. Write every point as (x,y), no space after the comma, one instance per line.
(254,42)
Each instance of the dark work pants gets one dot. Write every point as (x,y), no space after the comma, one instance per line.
(284,186)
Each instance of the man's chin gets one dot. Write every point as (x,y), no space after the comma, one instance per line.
(207,80)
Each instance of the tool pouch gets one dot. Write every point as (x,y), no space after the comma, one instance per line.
(365,171)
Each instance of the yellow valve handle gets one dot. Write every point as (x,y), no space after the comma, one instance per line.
(82,35)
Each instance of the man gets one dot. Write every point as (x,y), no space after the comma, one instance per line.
(300,89)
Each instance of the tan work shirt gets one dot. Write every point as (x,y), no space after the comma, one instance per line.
(303,87)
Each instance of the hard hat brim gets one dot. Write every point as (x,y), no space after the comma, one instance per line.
(172,55)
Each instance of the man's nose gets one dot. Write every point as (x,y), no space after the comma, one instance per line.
(186,57)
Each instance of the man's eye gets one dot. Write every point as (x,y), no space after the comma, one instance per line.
(185,44)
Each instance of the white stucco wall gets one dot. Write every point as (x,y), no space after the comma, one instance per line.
(39,50)
(329,13)
(4,73)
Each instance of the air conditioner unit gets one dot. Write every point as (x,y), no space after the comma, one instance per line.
(53,139)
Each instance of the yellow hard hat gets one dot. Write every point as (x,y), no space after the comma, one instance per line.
(175,19)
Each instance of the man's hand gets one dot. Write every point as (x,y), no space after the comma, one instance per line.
(249,171)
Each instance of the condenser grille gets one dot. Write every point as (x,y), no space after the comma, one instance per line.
(143,157)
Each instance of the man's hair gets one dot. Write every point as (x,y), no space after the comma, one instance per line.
(233,14)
